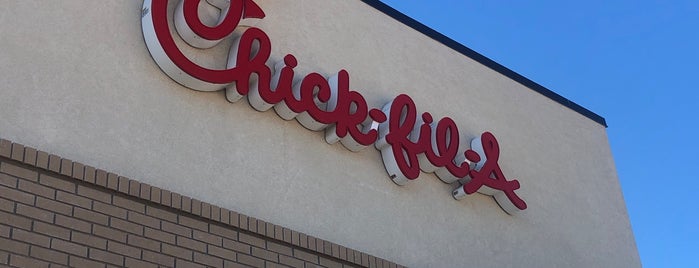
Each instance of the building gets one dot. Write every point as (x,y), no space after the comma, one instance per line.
(106,159)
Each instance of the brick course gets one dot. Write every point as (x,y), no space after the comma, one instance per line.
(55,213)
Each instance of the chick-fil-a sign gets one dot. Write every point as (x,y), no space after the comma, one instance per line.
(408,143)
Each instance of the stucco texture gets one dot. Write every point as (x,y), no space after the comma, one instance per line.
(77,80)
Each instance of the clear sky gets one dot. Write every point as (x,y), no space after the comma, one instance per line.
(634,63)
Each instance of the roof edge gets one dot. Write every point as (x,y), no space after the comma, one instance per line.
(451,43)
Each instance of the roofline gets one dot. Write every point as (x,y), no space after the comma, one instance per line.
(451,43)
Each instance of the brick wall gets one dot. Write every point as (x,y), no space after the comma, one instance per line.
(55,213)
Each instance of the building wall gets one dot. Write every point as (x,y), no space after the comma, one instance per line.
(78,81)
(56,212)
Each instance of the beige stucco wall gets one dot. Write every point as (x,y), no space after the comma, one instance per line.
(77,80)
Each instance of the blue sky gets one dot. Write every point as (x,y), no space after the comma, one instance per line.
(634,63)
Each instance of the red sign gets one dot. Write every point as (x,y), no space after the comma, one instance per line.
(408,143)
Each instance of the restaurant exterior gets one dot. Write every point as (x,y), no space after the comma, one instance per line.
(305,133)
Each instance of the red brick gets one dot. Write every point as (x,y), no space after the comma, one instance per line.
(191,244)
(291,261)
(265,254)
(73,223)
(53,182)
(145,191)
(31,238)
(357,257)
(343,253)
(222,253)
(208,260)
(105,256)
(166,198)
(372,261)
(74,200)
(176,229)
(78,171)
(29,156)
(35,213)
(54,163)
(22,261)
(287,236)
(7,180)
(17,152)
(138,263)
(110,210)
(234,219)
(158,258)
(295,238)
(237,246)
(161,214)
(186,204)
(327,248)
(144,243)
(270,230)
(66,167)
(90,216)
(279,248)
(243,222)
(230,264)
(124,185)
(193,223)
(93,240)
(80,262)
(16,196)
(155,194)
(48,255)
(51,230)
(109,233)
(250,260)
(183,263)
(5,231)
(251,240)
(205,210)
(134,188)
(299,254)
(14,246)
(37,189)
(261,227)
(278,232)
(223,231)
(143,220)
(312,243)
(69,247)
(216,213)
(269,264)
(207,238)
(18,171)
(94,194)
(113,181)
(176,201)
(15,221)
(159,235)
(330,263)
(42,160)
(126,226)
(101,177)
(89,174)
(5,148)
(123,249)
(303,240)
(178,252)
(54,206)
(129,204)
(252,224)
(225,217)
(335,250)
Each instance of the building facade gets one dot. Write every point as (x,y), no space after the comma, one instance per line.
(127,141)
